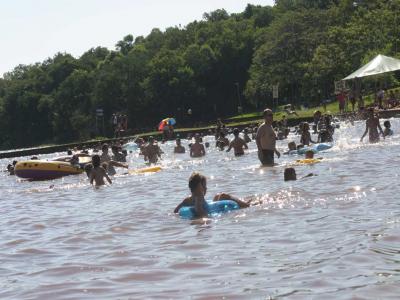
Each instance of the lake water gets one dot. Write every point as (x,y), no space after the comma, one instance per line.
(333,236)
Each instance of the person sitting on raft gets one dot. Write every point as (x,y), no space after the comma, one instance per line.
(197,149)
(198,189)
(237,144)
(387,131)
(179,148)
(98,173)
(371,126)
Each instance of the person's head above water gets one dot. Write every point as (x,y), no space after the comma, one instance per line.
(236,132)
(268,116)
(290,174)
(96,161)
(309,154)
(104,148)
(114,149)
(371,111)
(387,124)
(292,146)
(198,183)
(178,141)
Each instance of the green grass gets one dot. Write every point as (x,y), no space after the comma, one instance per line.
(332,108)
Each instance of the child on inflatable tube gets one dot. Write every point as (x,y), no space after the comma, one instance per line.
(198,189)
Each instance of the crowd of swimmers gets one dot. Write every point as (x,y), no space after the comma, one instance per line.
(102,164)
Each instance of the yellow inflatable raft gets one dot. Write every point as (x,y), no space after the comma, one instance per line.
(43,170)
(146,170)
(308,161)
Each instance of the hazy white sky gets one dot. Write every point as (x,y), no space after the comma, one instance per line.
(33,30)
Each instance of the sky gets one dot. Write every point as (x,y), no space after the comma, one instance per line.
(33,30)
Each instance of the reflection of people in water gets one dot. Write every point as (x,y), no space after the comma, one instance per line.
(371,126)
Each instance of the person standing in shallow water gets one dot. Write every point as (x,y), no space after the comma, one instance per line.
(266,140)
(371,126)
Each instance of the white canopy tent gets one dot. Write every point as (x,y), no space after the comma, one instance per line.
(380,64)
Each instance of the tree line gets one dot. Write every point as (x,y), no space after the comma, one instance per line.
(210,66)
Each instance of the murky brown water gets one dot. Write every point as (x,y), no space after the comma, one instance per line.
(333,236)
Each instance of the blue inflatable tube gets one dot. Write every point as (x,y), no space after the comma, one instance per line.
(315,148)
(213,209)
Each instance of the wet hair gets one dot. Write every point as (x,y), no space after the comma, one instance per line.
(236,132)
(292,146)
(69,152)
(290,174)
(195,179)
(309,154)
(34,158)
(14,162)
(386,124)
(104,147)
(207,144)
(96,161)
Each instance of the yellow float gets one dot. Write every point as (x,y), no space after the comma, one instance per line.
(44,170)
(146,170)
(308,161)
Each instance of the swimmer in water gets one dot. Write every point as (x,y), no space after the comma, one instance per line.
(179,148)
(309,154)
(152,151)
(292,147)
(246,136)
(198,189)
(222,141)
(106,158)
(237,144)
(197,149)
(98,173)
(290,174)
(305,138)
(371,126)
(387,131)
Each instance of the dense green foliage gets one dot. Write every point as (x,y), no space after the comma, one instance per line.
(302,45)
